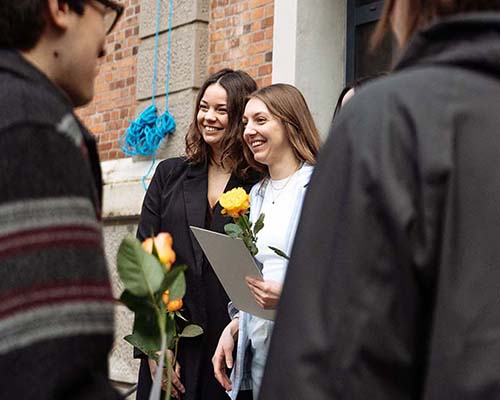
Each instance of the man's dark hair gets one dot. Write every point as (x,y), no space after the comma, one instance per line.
(22,21)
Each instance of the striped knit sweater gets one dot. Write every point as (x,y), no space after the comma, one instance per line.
(56,310)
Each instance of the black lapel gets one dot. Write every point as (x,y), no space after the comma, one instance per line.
(219,220)
(195,189)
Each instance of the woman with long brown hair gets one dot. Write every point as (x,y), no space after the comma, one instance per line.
(393,286)
(282,140)
(185,191)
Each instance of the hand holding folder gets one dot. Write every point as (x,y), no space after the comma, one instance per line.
(232,262)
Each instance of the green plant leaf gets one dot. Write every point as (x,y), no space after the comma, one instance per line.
(252,248)
(191,331)
(148,345)
(171,331)
(233,230)
(146,333)
(135,303)
(279,252)
(244,223)
(146,324)
(179,315)
(175,283)
(140,272)
(259,224)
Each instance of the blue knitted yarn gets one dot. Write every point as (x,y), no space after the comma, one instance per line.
(144,135)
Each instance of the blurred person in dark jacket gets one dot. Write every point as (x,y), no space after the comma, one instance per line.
(56,306)
(393,287)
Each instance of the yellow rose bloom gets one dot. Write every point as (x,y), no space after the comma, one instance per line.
(235,202)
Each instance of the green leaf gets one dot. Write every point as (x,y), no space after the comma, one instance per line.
(259,224)
(141,273)
(171,331)
(136,304)
(179,315)
(146,324)
(244,223)
(279,252)
(148,345)
(233,230)
(175,283)
(252,248)
(191,331)
(146,334)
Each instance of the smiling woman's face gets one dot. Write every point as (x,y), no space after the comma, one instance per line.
(212,114)
(264,134)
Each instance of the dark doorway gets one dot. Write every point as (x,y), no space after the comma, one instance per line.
(362,17)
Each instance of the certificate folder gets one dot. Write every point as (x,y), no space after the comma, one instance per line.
(231,261)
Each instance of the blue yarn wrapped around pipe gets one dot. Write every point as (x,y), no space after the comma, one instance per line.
(144,135)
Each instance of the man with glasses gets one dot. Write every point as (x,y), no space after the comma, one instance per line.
(56,307)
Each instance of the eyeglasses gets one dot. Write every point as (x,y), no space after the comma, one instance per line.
(112,13)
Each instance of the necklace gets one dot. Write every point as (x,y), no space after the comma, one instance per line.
(280,189)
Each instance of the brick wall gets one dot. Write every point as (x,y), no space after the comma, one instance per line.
(241,37)
(108,115)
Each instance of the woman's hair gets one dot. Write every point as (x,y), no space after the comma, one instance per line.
(354,85)
(238,85)
(23,21)
(423,12)
(286,103)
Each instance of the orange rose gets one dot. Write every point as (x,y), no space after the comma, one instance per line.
(164,297)
(163,244)
(147,245)
(174,305)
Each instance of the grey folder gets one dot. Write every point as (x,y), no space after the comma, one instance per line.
(231,261)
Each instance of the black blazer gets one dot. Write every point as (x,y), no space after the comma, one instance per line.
(177,198)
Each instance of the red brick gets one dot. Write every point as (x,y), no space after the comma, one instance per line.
(258,36)
(267,22)
(265,69)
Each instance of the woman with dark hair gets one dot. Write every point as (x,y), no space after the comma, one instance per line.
(183,192)
(349,90)
(393,287)
(283,140)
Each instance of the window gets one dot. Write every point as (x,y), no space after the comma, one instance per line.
(362,17)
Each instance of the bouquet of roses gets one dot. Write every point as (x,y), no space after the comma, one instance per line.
(236,204)
(154,291)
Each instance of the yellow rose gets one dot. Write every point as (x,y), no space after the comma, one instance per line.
(235,202)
